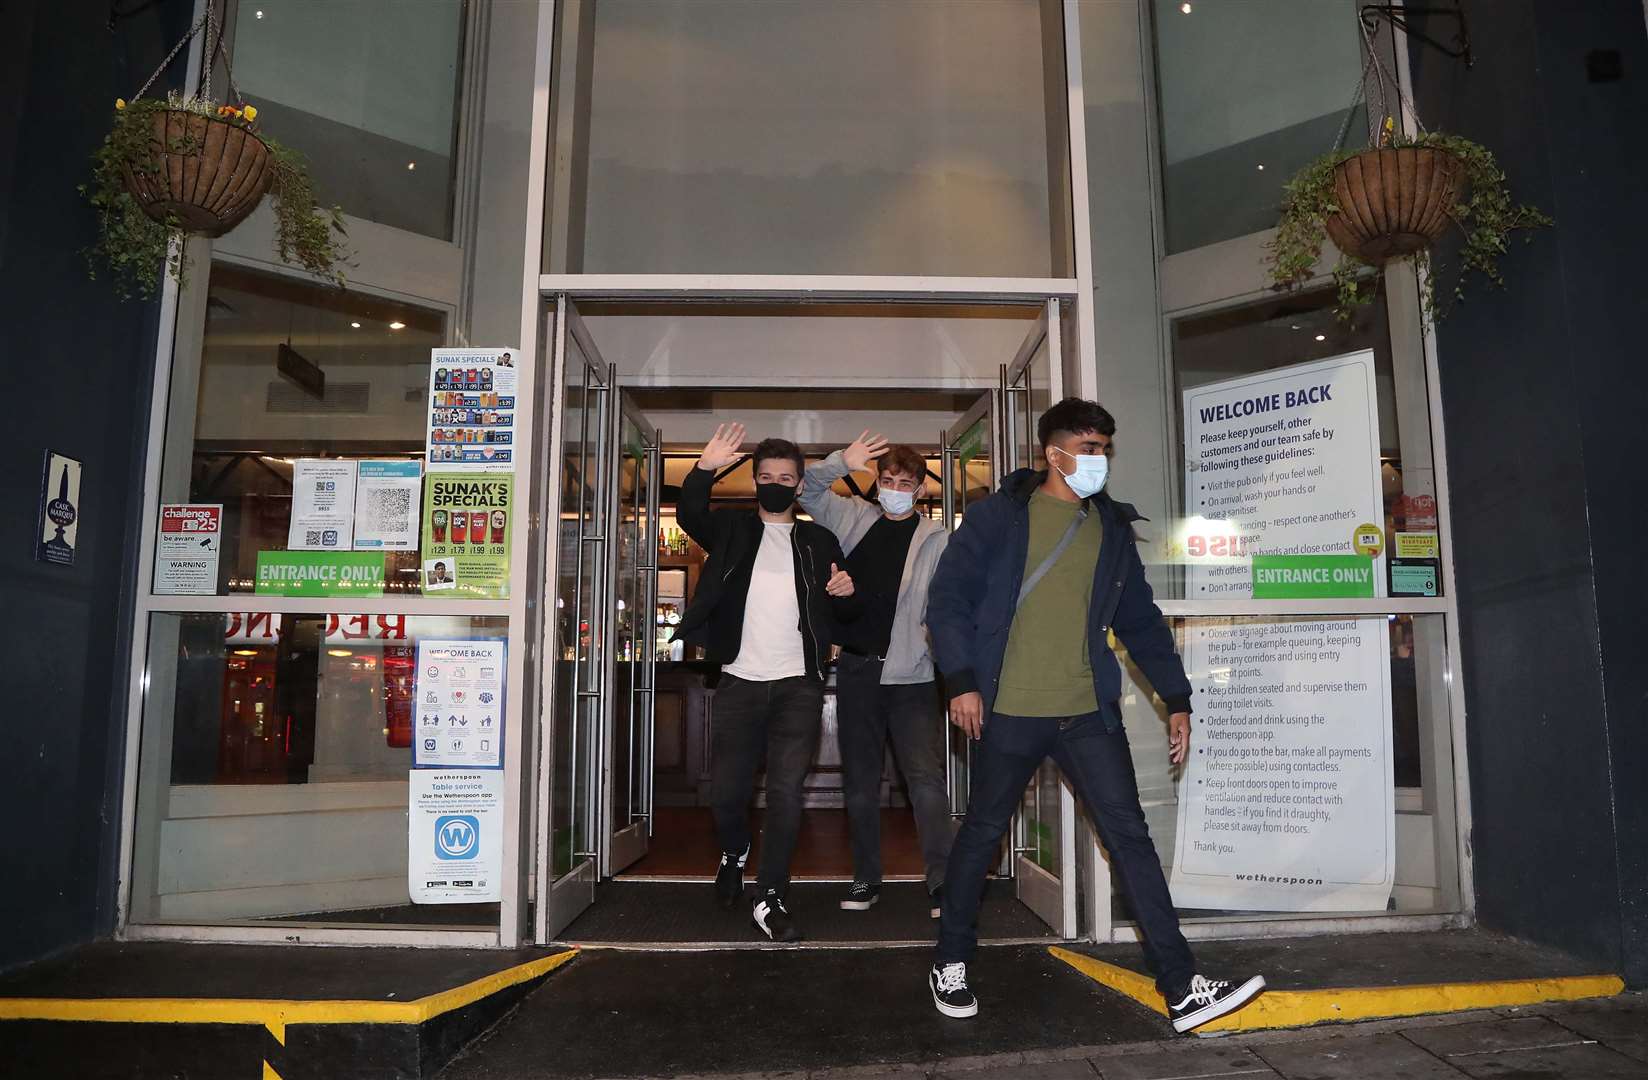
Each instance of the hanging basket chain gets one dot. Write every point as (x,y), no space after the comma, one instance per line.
(214,48)
(1388,85)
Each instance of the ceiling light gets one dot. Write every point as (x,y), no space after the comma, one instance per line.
(1295,326)
(410,165)
(245,652)
(1321,337)
(1185,8)
(397,325)
(260,14)
(1261,168)
(339,652)
(356,325)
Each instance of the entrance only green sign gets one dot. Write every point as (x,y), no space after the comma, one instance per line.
(320,573)
(1293,577)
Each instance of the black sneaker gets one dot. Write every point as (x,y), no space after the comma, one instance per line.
(935,902)
(862,896)
(1209,999)
(729,879)
(773,918)
(948,982)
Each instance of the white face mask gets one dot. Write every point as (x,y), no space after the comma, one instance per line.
(896,503)
(1092,470)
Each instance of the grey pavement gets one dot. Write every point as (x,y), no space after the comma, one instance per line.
(1591,1040)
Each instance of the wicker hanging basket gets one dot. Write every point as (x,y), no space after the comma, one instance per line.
(1393,202)
(204,173)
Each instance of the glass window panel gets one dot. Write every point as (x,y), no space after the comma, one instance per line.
(367,91)
(273,777)
(1234,497)
(812,136)
(1278,769)
(238,428)
(1249,91)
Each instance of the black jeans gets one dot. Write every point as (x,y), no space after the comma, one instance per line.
(1099,766)
(782,719)
(867,713)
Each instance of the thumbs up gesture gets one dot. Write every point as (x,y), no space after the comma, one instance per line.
(840,583)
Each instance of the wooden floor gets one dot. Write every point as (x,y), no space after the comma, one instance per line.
(683,846)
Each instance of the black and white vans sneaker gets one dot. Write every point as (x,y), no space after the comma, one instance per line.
(935,902)
(948,982)
(862,896)
(1208,999)
(773,918)
(729,878)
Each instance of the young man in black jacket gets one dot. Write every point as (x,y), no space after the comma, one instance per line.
(766,608)
(1021,609)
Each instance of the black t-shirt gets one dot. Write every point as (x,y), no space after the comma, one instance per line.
(877,567)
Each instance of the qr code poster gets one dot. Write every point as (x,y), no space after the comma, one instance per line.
(387,497)
(468,519)
(323,505)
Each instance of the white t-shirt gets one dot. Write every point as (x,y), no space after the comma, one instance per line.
(771,647)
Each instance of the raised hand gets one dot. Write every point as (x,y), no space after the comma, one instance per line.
(840,583)
(723,448)
(865,449)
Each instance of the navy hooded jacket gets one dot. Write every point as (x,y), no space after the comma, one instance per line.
(975,590)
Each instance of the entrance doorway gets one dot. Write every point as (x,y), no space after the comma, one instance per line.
(624,839)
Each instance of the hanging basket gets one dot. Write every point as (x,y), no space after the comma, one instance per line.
(1393,202)
(204,173)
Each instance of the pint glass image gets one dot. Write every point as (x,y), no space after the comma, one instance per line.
(460,526)
(437,526)
(477,526)
(499,519)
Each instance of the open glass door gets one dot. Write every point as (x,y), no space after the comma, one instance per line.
(628,739)
(577,610)
(1044,831)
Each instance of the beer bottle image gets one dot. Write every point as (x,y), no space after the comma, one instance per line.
(437,526)
(460,526)
(500,518)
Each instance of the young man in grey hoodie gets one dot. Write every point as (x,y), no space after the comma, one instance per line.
(884,682)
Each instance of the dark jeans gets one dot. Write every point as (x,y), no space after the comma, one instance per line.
(1099,767)
(867,713)
(782,719)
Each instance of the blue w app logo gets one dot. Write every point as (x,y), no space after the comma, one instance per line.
(457,836)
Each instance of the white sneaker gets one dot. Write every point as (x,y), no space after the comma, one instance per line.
(1208,999)
(948,982)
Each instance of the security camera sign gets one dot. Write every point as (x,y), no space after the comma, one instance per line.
(187,547)
(454,836)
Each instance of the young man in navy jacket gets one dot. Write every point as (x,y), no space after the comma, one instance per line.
(1020,610)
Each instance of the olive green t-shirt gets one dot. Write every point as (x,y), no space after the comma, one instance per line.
(1047,670)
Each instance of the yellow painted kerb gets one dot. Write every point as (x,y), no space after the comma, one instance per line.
(276,1015)
(1298,1008)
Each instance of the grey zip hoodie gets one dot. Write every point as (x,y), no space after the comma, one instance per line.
(909,657)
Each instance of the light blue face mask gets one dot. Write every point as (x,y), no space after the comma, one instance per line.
(896,503)
(1092,470)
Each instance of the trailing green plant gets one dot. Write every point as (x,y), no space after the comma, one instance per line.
(1483,211)
(134,250)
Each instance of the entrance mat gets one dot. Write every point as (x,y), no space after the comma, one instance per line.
(1315,980)
(665,912)
(229,1011)
(621,1013)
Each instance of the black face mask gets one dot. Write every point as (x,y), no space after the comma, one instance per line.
(775,498)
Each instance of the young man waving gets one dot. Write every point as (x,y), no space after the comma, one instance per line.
(766,609)
(884,681)
(1021,609)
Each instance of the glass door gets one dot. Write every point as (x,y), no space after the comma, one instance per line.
(627,754)
(1044,830)
(577,613)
